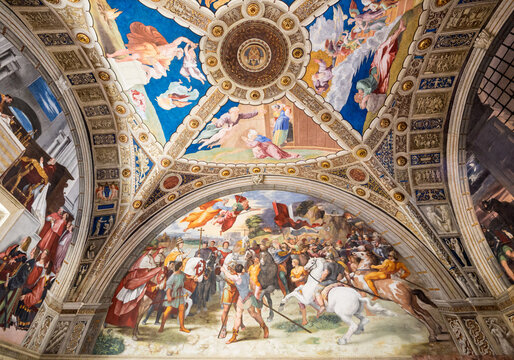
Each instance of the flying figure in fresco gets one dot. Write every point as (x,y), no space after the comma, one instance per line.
(213,134)
(190,65)
(321,78)
(367,23)
(371,90)
(341,44)
(228,216)
(177,96)
(151,49)
(233,116)
(208,211)
(378,4)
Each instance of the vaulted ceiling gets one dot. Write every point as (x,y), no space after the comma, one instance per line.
(174,102)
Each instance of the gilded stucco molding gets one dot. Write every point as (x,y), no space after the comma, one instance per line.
(457,179)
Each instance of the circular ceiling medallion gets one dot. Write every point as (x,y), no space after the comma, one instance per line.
(259,59)
(254,55)
(357,174)
(171,182)
(253,9)
(262,53)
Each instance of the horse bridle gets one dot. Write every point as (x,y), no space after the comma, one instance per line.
(312,268)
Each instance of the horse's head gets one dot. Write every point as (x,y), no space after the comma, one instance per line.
(211,261)
(363,255)
(265,258)
(311,264)
(195,267)
(249,254)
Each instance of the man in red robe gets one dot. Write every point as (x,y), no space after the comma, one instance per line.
(131,290)
(34,291)
(50,238)
(49,220)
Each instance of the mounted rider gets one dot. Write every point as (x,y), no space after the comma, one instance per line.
(390,266)
(177,254)
(204,252)
(333,272)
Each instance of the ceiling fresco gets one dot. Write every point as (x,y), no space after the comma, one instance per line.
(164,70)
(155,60)
(193,110)
(355,54)
(274,132)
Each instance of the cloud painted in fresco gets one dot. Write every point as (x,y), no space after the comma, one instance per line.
(324,29)
(321,30)
(344,73)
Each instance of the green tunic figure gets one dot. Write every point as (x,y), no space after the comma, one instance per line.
(175,297)
(175,283)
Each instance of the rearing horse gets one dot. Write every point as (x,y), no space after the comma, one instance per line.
(399,292)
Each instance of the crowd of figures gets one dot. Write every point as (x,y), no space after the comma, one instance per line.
(341,277)
(26,276)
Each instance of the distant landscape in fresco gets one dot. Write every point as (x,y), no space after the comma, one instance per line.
(185,269)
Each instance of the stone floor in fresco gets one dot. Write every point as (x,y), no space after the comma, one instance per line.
(397,336)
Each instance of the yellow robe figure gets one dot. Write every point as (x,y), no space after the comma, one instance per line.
(172,256)
(385,270)
(200,218)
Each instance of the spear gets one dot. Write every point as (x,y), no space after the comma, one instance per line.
(285,317)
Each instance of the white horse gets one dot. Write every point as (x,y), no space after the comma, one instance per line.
(344,301)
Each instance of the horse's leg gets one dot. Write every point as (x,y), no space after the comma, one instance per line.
(286,298)
(270,304)
(434,325)
(363,320)
(351,329)
(296,294)
(408,307)
(143,307)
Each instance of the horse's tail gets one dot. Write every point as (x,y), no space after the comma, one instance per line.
(376,308)
(421,295)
